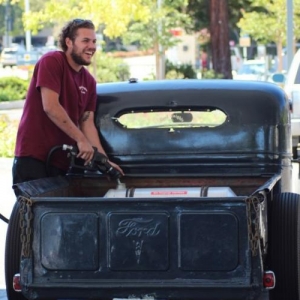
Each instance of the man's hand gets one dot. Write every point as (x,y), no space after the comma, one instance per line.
(116,167)
(85,151)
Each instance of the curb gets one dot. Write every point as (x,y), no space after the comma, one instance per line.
(5,105)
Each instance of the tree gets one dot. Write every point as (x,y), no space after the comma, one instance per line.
(150,25)
(156,32)
(205,15)
(199,13)
(114,15)
(219,33)
(16,10)
(272,27)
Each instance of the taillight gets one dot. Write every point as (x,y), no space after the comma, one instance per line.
(269,280)
(17,283)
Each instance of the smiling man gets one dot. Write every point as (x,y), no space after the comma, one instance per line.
(59,107)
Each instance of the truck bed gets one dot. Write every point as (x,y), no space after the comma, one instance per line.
(166,245)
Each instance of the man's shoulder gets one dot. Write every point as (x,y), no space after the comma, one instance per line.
(56,54)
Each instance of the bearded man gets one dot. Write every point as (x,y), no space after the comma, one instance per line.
(59,107)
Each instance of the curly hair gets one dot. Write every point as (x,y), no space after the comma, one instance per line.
(70,31)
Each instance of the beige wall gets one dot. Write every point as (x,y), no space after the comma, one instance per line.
(185,51)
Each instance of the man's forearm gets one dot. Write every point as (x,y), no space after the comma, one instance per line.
(91,134)
(61,119)
(87,126)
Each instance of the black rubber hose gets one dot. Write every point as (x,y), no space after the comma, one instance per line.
(54,149)
(3,218)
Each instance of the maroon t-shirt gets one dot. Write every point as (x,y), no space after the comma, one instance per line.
(37,134)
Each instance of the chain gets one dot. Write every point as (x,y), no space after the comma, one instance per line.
(25,225)
(253,223)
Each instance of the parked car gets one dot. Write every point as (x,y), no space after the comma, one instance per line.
(8,57)
(204,211)
(252,70)
(291,85)
(28,58)
(18,56)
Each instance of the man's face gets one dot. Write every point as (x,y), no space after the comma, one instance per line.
(83,47)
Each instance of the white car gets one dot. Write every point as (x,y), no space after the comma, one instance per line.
(9,56)
(251,70)
(292,88)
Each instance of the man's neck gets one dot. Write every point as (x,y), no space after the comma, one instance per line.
(72,64)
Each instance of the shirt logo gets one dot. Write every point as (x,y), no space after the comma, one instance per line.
(83,89)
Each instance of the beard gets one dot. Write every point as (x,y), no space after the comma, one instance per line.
(78,59)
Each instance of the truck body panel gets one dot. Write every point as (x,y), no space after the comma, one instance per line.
(193,217)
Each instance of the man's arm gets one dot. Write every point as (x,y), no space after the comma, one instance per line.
(87,126)
(60,118)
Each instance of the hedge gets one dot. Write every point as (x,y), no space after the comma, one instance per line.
(13,88)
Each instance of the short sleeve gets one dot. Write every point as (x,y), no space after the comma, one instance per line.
(49,73)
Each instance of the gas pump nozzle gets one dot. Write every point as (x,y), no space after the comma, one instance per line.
(99,162)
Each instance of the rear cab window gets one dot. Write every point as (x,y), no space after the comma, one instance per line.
(184,118)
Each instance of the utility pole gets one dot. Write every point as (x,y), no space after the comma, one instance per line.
(7,24)
(290,32)
(160,55)
(28,34)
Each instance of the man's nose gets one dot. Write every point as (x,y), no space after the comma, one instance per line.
(92,45)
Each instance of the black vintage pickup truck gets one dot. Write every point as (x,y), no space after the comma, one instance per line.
(204,212)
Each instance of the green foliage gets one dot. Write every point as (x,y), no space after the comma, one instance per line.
(199,12)
(146,22)
(8,132)
(15,15)
(13,88)
(271,17)
(211,74)
(157,28)
(150,77)
(113,16)
(110,69)
(180,71)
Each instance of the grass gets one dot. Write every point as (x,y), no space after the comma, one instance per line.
(8,132)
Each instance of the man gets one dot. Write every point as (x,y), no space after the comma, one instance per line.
(59,107)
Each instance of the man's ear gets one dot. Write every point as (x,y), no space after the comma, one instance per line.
(69,42)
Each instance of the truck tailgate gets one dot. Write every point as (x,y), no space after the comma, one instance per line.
(139,247)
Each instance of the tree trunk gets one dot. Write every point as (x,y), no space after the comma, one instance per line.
(219,32)
(159,62)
